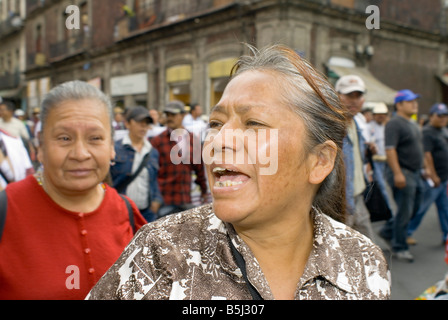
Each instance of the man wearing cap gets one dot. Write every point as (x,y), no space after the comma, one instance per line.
(136,166)
(376,133)
(404,151)
(351,89)
(180,155)
(436,159)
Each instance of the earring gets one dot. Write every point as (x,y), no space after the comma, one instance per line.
(112,163)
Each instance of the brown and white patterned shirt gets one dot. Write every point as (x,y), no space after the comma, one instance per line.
(187,256)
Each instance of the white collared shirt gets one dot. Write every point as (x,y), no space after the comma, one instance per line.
(138,189)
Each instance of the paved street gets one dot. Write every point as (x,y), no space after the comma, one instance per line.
(409,280)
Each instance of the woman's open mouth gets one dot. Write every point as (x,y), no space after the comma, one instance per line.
(228,177)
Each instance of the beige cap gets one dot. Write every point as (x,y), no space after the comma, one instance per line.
(380,108)
(350,83)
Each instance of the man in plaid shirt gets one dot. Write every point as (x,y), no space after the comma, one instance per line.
(180,154)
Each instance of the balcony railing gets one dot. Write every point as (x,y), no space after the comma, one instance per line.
(10,80)
(74,45)
(13,24)
(32,5)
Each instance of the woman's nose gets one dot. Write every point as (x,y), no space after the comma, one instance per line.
(80,151)
(227,145)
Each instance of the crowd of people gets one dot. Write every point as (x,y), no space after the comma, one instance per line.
(408,162)
(96,176)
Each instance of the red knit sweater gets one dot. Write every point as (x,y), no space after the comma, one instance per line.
(47,252)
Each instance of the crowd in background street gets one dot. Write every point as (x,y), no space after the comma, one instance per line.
(405,161)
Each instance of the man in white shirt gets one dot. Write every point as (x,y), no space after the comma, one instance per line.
(15,162)
(351,90)
(11,124)
(376,132)
(194,123)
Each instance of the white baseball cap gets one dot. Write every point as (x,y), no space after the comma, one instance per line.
(19,113)
(350,83)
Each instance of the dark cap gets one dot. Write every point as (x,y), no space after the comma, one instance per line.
(439,109)
(138,114)
(174,107)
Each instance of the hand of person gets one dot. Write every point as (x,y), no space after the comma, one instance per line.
(155,206)
(373,148)
(426,173)
(399,180)
(370,176)
(435,178)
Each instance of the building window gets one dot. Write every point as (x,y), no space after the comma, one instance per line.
(38,38)
(85,19)
(17,60)
(8,62)
(145,13)
(178,79)
(219,74)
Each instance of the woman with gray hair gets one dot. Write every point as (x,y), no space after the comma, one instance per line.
(272,230)
(64,227)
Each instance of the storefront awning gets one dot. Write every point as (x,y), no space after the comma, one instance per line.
(12,93)
(376,90)
(443,78)
(221,68)
(179,73)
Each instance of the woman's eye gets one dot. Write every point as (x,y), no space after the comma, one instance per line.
(253,123)
(214,124)
(64,139)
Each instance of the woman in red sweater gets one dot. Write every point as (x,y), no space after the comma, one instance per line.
(64,227)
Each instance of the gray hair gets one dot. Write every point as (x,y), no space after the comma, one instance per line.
(315,101)
(73,90)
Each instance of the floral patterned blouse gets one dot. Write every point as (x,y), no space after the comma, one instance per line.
(188,256)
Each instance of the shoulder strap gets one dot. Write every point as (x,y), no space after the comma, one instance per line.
(242,265)
(3,208)
(4,177)
(127,181)
(130,212)
(141,166)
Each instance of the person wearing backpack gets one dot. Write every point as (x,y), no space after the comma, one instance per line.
(136,164)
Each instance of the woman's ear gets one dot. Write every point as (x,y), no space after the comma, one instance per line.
(40,154)
(39,147)
(322,160)
(112,154)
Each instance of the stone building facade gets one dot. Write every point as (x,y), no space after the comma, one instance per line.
(12,50)
(151,51)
